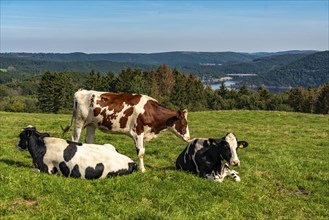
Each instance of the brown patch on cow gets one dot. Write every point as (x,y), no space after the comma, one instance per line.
(139,124)
(123,121)
(156,117)
(115,101)
(106,120)
(97,111)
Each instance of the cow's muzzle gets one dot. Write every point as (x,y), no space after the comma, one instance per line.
(18,147)
(186,138)
(235,162)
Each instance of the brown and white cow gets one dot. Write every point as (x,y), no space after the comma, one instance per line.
(138,116)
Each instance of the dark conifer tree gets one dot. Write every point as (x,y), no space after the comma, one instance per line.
(322,105)
(55,92)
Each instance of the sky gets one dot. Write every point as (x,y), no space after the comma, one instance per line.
(161,26)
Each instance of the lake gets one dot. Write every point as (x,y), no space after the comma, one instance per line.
(229,84)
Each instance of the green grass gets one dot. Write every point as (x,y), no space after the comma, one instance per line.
(284,173)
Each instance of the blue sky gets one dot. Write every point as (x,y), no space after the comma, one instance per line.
(161,26)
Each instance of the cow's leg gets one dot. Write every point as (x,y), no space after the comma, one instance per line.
(139,141)
(226,171)
(217,173)
(90,134)
(209,174)
(213,176)
(234,175)
(78,127)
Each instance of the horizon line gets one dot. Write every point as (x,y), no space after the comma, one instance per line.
(174,51)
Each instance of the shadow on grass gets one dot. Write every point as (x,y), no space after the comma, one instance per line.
(164,168)
(15,163)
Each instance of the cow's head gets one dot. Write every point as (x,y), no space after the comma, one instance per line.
(229,146)
(178,125)
(26,135)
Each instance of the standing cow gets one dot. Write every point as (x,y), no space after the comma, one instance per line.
(208,157)
(139,116)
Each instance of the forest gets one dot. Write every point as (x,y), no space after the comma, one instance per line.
(52,92)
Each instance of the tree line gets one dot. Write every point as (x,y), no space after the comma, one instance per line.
(52,92)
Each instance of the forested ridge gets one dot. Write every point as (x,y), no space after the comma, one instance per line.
(46,82)
(21,68)
(52,92)
(170,58)
(294,68)
(309,70)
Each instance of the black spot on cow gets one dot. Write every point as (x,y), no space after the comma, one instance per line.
(54,170)
(75,172)
(70,150)
(92,173)
(131,168)
(64,169)
(74,142)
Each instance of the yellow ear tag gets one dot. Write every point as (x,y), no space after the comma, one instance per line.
(241,146)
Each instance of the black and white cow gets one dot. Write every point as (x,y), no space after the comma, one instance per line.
(72,159)
(208,157)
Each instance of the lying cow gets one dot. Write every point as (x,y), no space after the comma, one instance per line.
(208,158)
(72,159)
(139,116)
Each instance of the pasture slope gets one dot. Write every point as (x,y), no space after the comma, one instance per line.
(284,172)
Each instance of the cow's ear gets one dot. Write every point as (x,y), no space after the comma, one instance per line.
(217,142)
(242,144)
(212,141)
(182,114)
(42,135)
(29,131)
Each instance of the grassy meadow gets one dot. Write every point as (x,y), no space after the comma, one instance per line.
(284,173)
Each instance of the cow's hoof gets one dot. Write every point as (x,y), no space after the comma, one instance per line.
(218,179)
(237,179)
(36,170)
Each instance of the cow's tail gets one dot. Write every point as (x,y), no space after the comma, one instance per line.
(67,128)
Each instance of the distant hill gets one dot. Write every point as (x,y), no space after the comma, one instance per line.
(309,70)
(272,68)
(177,59)
(284,52)
(27,66)
(256,66)
(186,62)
